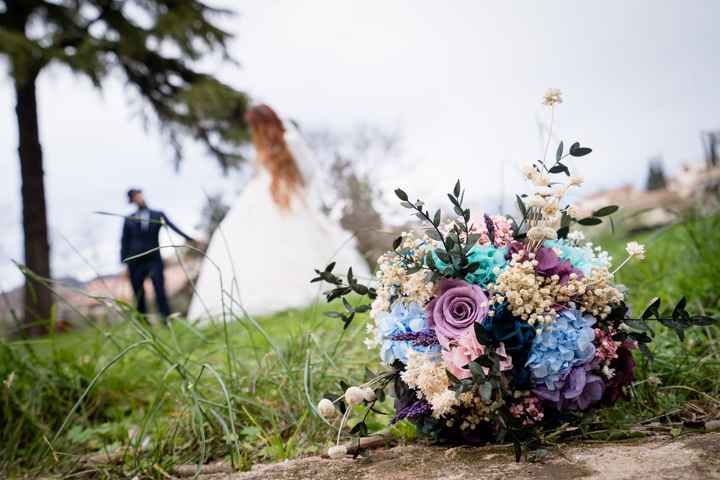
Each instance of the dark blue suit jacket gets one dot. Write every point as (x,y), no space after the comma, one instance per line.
(136,239)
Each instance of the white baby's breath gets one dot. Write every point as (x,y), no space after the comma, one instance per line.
(635,249)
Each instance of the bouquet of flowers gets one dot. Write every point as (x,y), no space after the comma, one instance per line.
(492,327)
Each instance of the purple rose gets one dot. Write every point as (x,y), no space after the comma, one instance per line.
(576,390)
(624,375)
(455,309)
(549,264)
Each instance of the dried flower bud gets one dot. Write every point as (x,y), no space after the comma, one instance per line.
(368,394)
(326,409)
(338,451)
(354,396)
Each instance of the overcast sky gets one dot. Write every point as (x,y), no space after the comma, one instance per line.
(462,80)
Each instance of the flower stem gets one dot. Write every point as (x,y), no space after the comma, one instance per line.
(550,129)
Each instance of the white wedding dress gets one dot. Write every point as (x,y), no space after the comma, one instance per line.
(261,259)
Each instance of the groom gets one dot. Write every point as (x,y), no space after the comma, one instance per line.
(140,251)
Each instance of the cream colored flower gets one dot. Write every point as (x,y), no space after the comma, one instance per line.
(635,249)
(536,234)
(552,96)
(443,403)
(336,452)
(528,172)
(536,201)
(550,233)
(541,180)
(559,191)
(326,409)
(545,191)
(576,181)
(550,209)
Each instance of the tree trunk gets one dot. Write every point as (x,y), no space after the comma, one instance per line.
(38,298)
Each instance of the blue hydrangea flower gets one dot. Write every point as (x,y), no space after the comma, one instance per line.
(488,256)
(580,258)
(560,346)
(409,323)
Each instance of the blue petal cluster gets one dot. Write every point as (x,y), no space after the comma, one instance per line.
(564,344)
(580,258)
(487,256)
(402,319)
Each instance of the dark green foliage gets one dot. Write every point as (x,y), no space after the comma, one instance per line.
(342,290)
(456,244)
(152,43)
(155,46)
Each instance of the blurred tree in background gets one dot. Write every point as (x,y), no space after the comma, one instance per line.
(354,163)
(213,213)
(656,175)
(153,44)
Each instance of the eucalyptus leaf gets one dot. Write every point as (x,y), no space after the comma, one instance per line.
(652,310)
(589,221)
(679,309)
(559,168)
(521,206)
(436,218)
(477,371)
(432,233)
(581,152)
(559,152)
(638,325)
(605,211)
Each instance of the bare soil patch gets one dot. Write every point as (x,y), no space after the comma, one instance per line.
(689,457)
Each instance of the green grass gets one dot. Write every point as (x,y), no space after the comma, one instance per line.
(682,384)
(193,395)
(240,391)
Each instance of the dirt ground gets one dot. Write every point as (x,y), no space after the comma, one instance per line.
(689,457)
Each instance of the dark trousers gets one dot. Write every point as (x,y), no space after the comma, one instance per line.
(139,271)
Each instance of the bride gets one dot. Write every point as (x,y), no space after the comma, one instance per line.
(261,258)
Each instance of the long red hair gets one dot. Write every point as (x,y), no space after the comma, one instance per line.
(268,136)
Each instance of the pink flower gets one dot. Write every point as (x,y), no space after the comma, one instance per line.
(465,350)
(605,346)
(502,231)
(529,409)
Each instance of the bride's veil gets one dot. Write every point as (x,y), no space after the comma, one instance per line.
(301,152)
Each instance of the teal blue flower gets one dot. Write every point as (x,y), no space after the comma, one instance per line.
(580,257)
(487,256)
